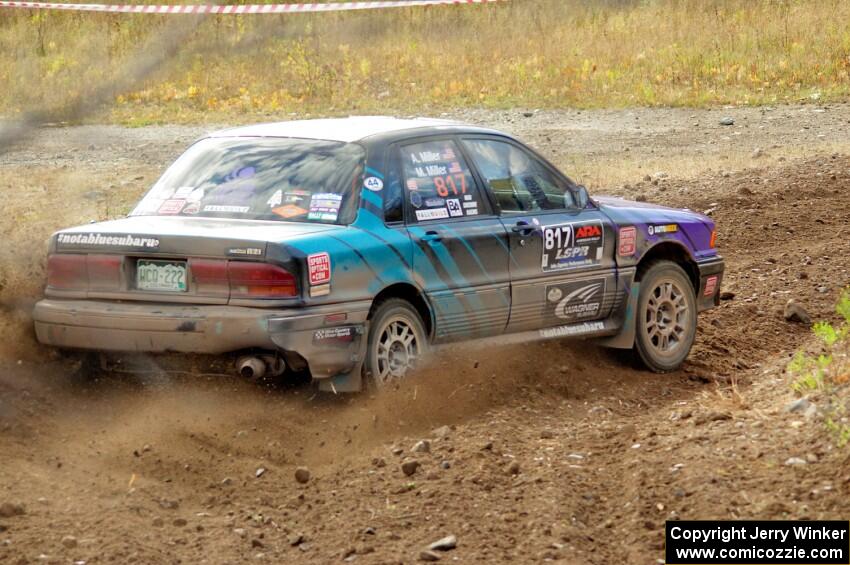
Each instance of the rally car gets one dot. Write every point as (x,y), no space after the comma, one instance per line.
(348,247)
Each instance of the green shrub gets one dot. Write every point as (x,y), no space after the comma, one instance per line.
(827,373)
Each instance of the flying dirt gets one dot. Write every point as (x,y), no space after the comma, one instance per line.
(522,451)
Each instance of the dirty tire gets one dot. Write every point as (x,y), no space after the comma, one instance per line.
(667,317)
(397,342)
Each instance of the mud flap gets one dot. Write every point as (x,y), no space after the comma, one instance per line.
(351,381)
(625,339)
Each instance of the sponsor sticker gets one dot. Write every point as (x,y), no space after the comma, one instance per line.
(628,241)
(664,228)
(412,185)
(325,206)
(289,211)
(454,207)
(192,208)
(110,240)
(184,192)
(416,199)
(574,301)
(435,202)
(572,330)
(226,208)
(295,196)
(710,286)
(572,245)
(275,199)
(172,206)
(148,205)
(373,183)
(433,214)
(160,191)
(319,268)
(330,336)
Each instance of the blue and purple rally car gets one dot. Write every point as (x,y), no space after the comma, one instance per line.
(348,247)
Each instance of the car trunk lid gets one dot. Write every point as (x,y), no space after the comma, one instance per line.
(164,259)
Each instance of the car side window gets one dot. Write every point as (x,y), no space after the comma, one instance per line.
(393,198)
(439,183)
(519,181)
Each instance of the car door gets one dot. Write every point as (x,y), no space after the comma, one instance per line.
(460,246)
(562,257)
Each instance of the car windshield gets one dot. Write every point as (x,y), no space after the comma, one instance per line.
(298,180)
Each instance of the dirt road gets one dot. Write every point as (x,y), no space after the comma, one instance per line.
(540,451)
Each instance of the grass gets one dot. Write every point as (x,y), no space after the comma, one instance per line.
(527,53)
(826,374)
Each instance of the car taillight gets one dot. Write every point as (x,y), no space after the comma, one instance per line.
(259,280)
(209,275)
(70,271)
(713,241)
(67,272)
(104,271)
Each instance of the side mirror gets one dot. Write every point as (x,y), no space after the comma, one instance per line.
(582,197)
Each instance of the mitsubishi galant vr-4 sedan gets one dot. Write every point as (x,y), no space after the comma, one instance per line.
(348,247)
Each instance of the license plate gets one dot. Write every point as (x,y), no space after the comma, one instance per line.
(168,276)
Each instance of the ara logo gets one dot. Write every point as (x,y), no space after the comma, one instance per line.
(577,300)
(592,230)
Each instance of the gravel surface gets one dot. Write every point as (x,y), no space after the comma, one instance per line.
(535,452)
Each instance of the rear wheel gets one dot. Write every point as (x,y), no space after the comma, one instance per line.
(397,341)
(667,317)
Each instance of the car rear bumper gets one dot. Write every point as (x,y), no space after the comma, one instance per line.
(330,338)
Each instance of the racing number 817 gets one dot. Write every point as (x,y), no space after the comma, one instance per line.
(556,238)
(444,183)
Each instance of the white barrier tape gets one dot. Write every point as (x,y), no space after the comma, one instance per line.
(236,9)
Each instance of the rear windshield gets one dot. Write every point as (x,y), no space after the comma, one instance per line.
(296,180)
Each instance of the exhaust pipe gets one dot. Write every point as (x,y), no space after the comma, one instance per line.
(251,367)
(274,364)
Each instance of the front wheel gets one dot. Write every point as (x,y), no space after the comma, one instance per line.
(666,317)
(397,341)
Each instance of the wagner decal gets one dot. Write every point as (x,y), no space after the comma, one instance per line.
(575,301)
(319,268)
(65,240)
(572,245)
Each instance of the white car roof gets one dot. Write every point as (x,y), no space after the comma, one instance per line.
(347,130)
